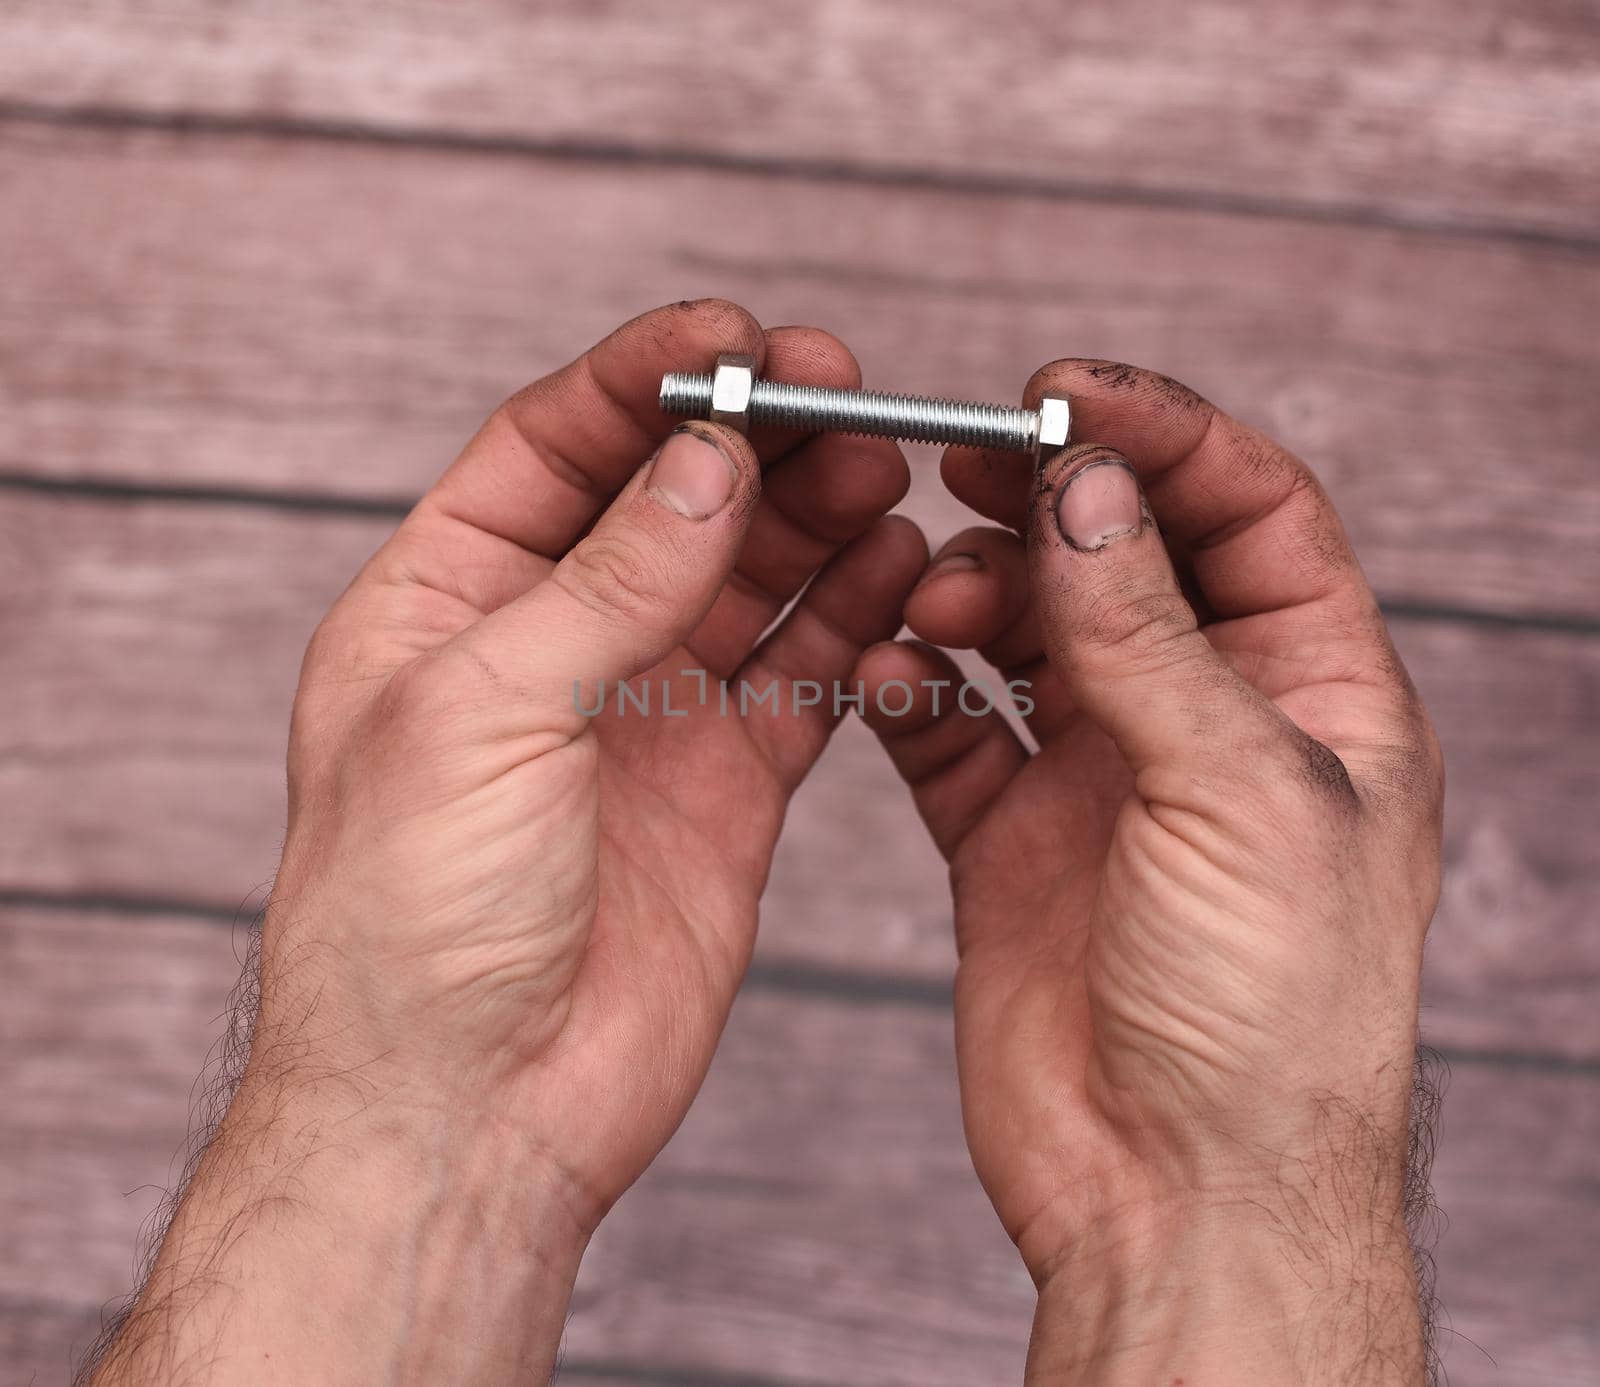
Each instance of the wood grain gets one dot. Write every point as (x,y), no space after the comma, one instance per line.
(1487,118)
(816,1219)
(148,653)
(1381,250)
(335,318)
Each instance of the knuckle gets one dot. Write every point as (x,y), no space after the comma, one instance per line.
(613,577)
(448,676)
(510,417)
(437,701)
(1146,632)
(1320,773)
(416,691)
(1300,777)
(1410,777)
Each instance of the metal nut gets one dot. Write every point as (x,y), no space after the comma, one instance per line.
(1055,424)
(731,386)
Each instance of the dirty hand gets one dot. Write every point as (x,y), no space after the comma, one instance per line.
(506,933)
(1190,926)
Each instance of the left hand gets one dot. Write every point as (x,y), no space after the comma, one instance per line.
(505,935)
(527,911)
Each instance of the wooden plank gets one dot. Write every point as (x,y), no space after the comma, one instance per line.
(148,654)
(789,1233)
(335,318)
(41,1341)
(1518,1290)
(1483,119)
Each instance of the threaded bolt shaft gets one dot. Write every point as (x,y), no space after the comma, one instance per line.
(908,418)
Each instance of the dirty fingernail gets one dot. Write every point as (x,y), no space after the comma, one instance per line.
(693,477)
(1100,504)
(961,562)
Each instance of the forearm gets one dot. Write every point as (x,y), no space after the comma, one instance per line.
(333,1234)
(1233,1295)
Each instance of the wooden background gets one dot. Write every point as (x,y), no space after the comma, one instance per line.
(265,264)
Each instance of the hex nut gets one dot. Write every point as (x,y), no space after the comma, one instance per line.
(731,386)
(1055,424)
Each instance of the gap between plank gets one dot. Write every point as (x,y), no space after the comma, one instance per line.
(970,182)
(110,489)
(779,978)
(666,1376)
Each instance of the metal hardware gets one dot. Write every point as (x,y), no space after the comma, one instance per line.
(734,395)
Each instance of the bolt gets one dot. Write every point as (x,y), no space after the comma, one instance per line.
(734,395)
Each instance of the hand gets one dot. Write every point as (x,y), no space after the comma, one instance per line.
(1190,927)
(545,909)
(505,935)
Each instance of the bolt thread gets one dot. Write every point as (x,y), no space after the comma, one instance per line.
(684,394)
(909,418)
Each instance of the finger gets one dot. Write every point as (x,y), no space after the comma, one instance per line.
(815,499)
(806,356)
(1118,629)
(1249,516)
(975,589)
(629,591)
(550,459)
(976,595)
(995,484)
(554,454)
(820,493)
(856,600)
(954,761)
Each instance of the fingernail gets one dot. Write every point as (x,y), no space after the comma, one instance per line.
(1100,504)
(961,562)
(692,476)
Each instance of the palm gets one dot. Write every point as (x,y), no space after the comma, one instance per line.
(1109,937)
(1054,850)
(689,811)
(1036,856)
(701,776)
(686,811)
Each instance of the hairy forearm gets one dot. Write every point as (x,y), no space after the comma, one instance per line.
(333,1233)
(1232,1295)
(1305,1271)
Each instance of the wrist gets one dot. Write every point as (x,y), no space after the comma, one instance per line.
(382,1152)
(1255,1287)
(337,1230)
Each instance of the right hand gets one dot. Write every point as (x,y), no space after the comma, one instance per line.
(1190,927)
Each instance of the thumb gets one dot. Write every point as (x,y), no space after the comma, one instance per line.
(1118,628)
(636,585)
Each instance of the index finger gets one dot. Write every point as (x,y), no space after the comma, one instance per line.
(551,457)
